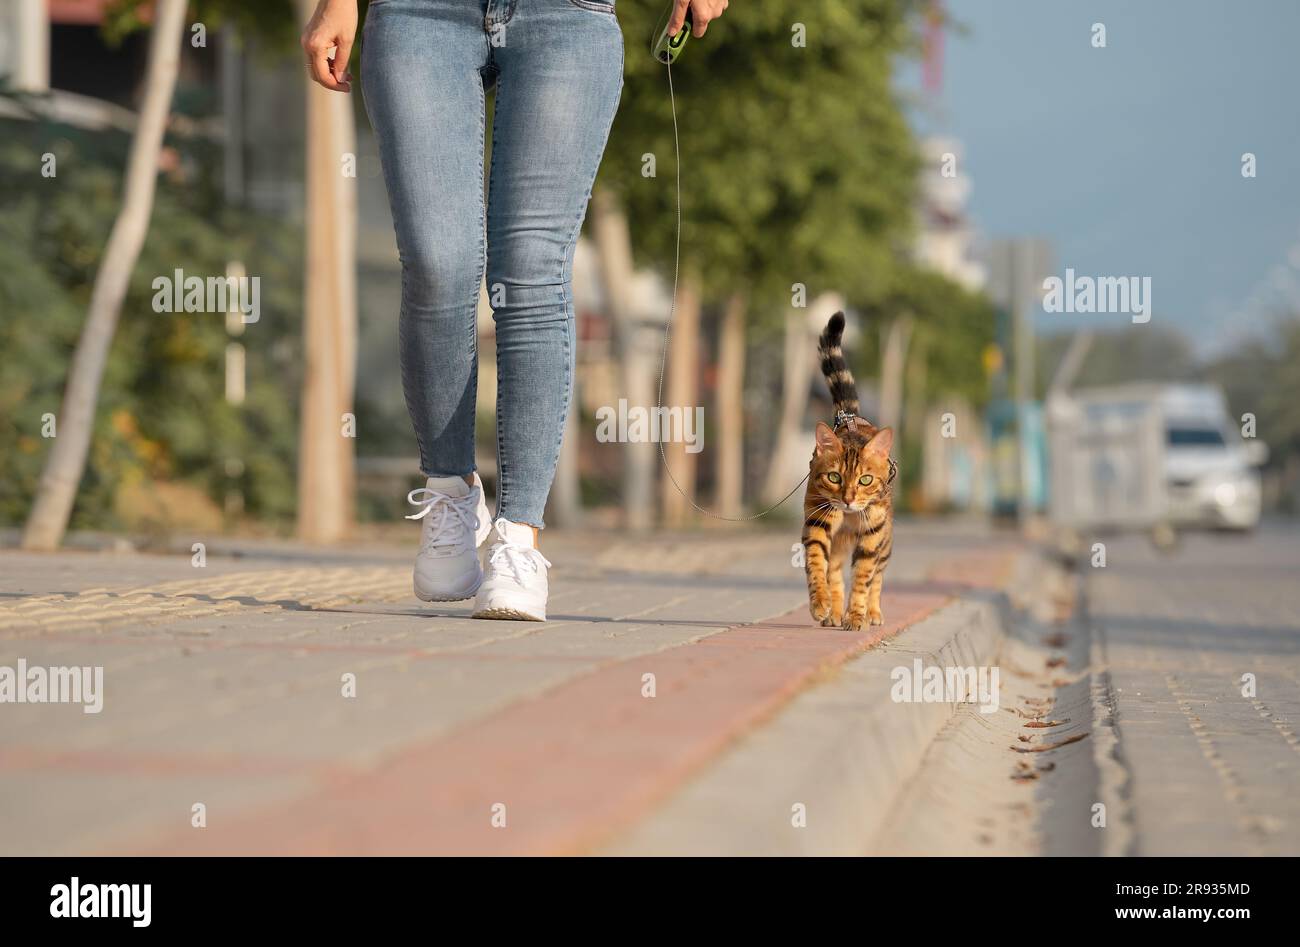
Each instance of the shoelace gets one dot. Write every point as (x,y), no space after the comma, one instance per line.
(442,511)
(516,555)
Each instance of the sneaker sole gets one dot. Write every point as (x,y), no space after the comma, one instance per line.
(508,614)
(444,598)
(463,597)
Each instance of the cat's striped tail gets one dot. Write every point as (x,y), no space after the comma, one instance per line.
(844,392)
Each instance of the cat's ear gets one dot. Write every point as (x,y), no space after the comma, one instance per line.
(881,442)
(826,439)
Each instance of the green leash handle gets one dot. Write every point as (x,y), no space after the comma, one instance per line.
(670,47)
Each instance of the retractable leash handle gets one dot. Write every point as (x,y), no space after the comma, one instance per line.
(670,47)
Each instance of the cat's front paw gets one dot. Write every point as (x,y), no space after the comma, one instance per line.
(821,611)
(831,620)
(876,617)
(854,621)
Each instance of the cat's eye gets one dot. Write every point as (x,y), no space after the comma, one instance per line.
(866,479)
(833,477)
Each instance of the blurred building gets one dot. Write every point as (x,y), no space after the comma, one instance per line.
(955,473)
(946,241)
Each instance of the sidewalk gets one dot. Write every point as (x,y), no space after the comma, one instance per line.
(223,686)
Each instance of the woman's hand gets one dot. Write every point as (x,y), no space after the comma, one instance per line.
(702,11)
(332,26)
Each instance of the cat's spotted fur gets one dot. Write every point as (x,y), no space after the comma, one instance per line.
(847,506)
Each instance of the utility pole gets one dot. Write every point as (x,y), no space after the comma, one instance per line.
(1018,267)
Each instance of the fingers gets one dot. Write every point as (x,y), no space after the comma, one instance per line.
(678,19)
(341,58)
(703,17)
(317,48)
(321,71)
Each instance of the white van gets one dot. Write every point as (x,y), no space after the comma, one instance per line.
(1211,470)
(1150,456)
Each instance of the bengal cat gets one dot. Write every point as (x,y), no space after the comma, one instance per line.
(847,505)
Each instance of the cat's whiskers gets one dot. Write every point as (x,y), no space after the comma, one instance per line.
(821,507)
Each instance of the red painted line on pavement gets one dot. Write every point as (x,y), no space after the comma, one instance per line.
(571,765)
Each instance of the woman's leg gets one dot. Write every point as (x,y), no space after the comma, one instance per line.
(422,77)
(559,74)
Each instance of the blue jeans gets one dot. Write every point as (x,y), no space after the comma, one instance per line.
(558,70)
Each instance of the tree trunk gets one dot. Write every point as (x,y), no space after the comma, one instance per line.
(893,358)
(31,27)
(63,469)
(682,390)
(789,452)
(731,408)
(915,408)
(326,455)
(609,231)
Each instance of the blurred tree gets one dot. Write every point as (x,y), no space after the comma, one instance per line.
(948,327)
(1259,377)
(274,22)
(326,457)
(162,415)
(797,167)
(66,461)
(326,477)
(950,324)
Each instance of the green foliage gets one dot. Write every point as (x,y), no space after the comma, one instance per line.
(797,163)
(274,22)
(162,413)
(952,326)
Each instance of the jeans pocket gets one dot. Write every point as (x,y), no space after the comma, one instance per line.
(600,6)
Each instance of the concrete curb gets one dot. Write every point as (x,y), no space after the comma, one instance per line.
(845,748)
(1112,773)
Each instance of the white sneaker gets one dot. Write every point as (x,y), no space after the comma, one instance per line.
(456,521)
(515,585)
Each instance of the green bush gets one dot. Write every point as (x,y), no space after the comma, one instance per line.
(162,412)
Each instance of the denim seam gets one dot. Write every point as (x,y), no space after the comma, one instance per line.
(411,406)
(478,282)
(425,466)
(492,170)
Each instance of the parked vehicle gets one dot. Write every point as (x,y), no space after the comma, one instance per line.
(1150,457)
(1211,470)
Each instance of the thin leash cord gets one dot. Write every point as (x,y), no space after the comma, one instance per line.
(672,312)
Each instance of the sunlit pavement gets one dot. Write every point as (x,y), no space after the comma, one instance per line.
(304,702)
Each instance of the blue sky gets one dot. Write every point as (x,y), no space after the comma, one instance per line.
(1129,158)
